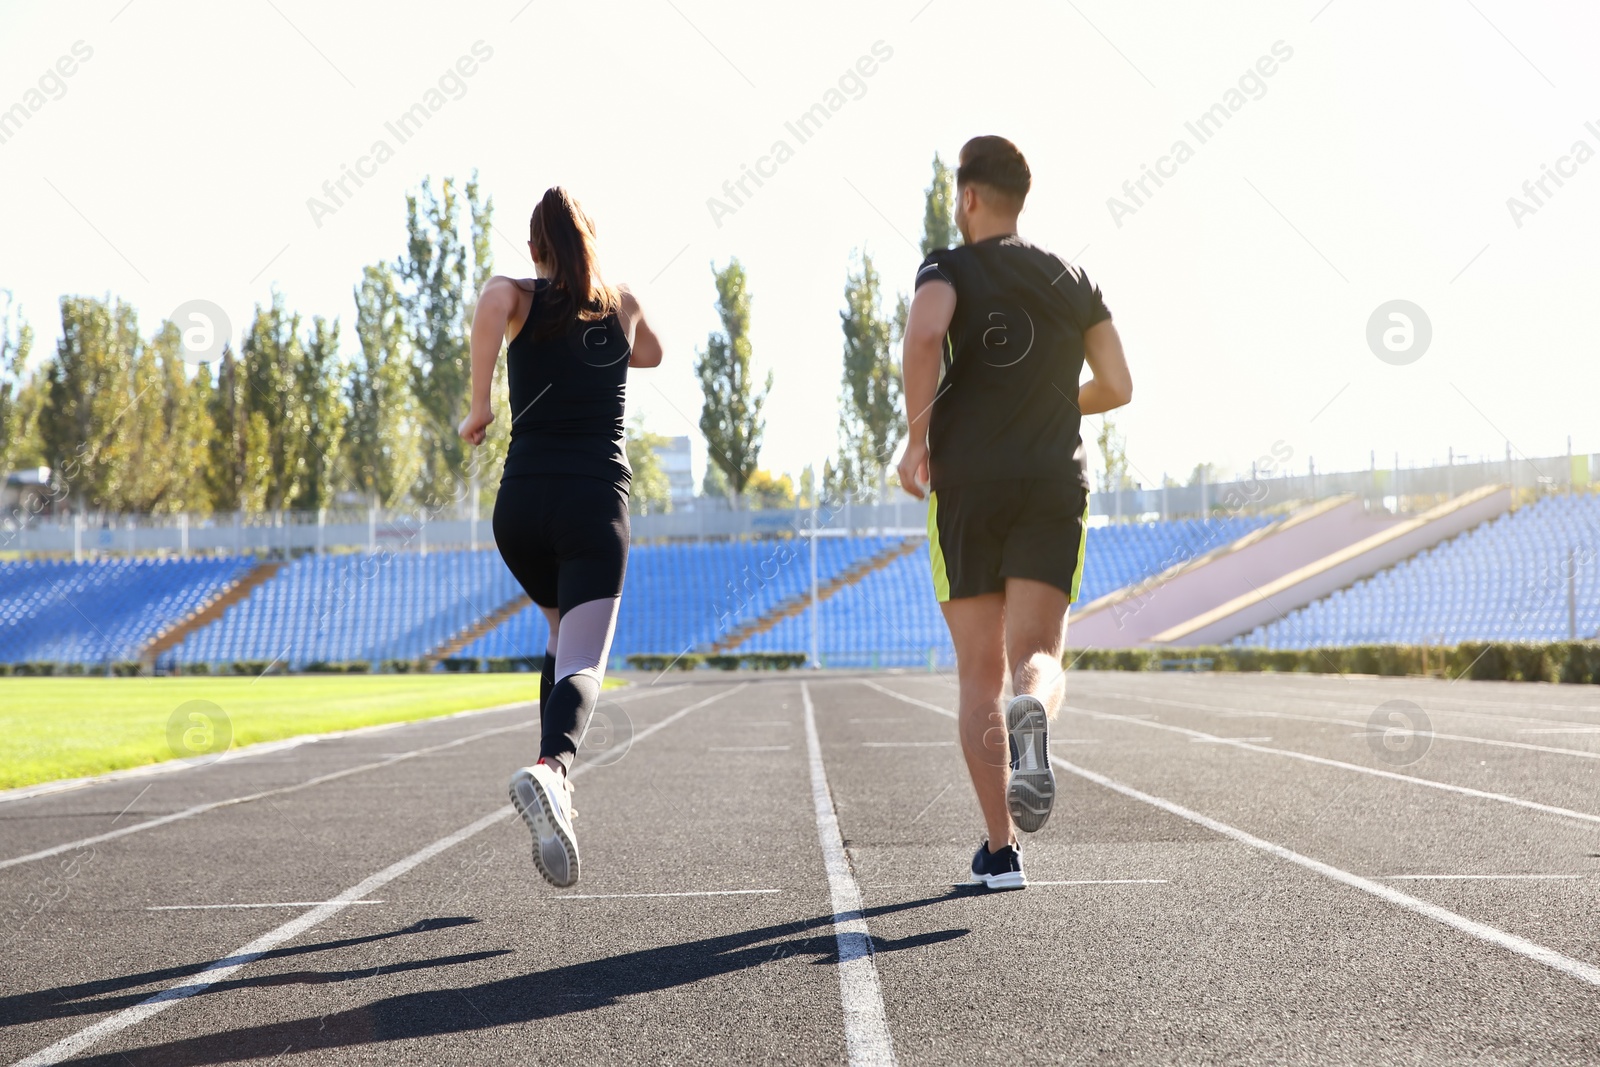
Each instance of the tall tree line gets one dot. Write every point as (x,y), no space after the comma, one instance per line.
(871,424)
(282,421)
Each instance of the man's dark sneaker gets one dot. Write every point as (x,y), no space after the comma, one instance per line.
(998,870)
(1032,791)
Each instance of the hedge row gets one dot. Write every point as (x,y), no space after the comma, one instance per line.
(760,661)
(67,670)
(493,664)
(1511,661)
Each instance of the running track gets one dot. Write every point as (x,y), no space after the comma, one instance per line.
(1235,873)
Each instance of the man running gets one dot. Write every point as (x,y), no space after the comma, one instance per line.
(997,447)
(561,517)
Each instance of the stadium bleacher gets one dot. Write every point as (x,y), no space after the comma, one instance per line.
(103,611)
(1505,580)
(678,596)
(890,619)
(355,607)
(682,596)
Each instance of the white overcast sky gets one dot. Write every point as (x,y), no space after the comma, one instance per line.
(1376,166)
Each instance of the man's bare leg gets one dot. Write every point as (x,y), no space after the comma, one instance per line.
(977,629)
(1036,623)
(1036,637)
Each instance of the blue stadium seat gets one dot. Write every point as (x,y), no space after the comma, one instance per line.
(1505,580)
(103,611)
(891,619)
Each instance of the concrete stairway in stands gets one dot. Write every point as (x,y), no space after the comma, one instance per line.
(478,629)
(209,613)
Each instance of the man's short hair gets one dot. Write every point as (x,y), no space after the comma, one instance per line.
(996,164)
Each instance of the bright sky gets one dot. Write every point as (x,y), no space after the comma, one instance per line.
(1373,164)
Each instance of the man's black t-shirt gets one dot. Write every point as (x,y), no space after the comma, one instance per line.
(1008,403)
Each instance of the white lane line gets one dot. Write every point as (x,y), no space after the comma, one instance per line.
(696,893)
(1500,719)
(1561,730)
(241,957)
(285,904)
(1584,972)
(966,885)
(1327,721)
(907,744)
(201,809)
(750,748)
(1475,877)
(247,954)
(866,1029)
(1480,794)
(951,714)
(1390,685)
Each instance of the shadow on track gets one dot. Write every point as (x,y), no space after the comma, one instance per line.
(93,998)
(525,998)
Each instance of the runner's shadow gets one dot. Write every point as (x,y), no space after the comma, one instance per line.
(523,998)
(96,997)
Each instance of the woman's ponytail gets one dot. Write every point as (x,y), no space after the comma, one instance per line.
(563,238)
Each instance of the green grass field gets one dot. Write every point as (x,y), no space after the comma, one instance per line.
(70,727)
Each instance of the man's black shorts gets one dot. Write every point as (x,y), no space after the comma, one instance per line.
(981,533)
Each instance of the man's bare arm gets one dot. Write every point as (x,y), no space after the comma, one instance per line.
(1112,384)
(932,307)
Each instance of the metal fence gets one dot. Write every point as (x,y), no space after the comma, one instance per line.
(459,525)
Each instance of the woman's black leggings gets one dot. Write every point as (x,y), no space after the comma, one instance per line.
(565,540)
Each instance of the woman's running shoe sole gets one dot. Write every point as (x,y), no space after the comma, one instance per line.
(555,850)
(1032,792)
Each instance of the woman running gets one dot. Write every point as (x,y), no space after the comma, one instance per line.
(561,518)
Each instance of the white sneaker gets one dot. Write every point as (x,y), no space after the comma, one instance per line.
(1032,791)
(543,797)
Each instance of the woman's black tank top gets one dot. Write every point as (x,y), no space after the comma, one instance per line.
(568,395)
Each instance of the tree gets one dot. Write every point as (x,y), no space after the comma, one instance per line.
(650,493)
(145,451)
(939,230)
(383,452)
(320,403)
(731,416)
(83,426)
(277,423)
(191,433)
(939,212)
(1113,458)
(766,492)
(871,425)
(227,470)
(715,483)
(434,271)
(16,342)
